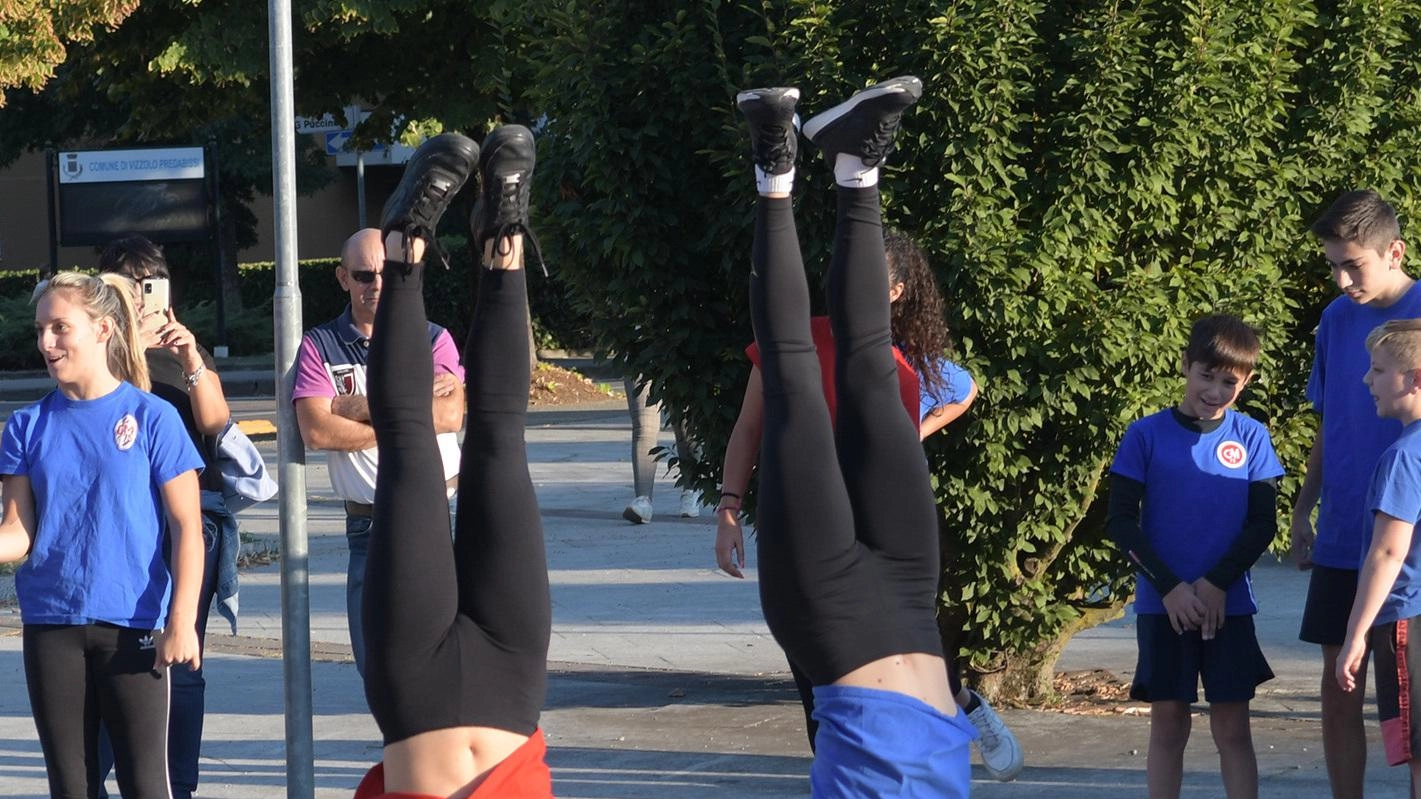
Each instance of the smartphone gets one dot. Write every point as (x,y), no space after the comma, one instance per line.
(156,296)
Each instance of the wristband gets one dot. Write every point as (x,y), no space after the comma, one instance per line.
(725,494)
(733,508)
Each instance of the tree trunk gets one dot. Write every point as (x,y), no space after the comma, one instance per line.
(1028,676)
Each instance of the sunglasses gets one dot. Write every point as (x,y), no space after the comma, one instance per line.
(364,275)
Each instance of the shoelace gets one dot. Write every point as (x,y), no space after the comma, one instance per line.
(990,732)
(512,198)
(880,143)
(777,150)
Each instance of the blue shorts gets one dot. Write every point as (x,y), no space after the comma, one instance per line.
(873,743)
(1171,665)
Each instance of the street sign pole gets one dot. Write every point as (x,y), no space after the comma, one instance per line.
(291,451)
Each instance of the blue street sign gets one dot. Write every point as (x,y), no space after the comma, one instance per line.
(335,141)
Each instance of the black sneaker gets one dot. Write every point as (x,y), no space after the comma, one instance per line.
(506,172)
(774,141)
(434,174)
(864,125)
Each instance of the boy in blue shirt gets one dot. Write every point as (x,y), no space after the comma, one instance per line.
(1388,599)
(1362,242)
(1192,492)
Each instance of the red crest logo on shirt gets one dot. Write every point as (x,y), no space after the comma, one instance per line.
(1231,454)
(344,379)
(125,432)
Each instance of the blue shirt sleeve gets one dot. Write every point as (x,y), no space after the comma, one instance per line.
(1398,486)
(1130,458)
(170,448)
(956,386)
(12,446)
(1264,465)
(1317,375)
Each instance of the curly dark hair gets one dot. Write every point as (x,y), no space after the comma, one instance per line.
(920,315)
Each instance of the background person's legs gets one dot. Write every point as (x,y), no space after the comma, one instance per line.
(687,455)
(1344,735)
(357,543)
(646,424)
(189,686)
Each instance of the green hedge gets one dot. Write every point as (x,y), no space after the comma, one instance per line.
(449,298)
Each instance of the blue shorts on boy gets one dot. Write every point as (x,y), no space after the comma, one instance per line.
(1171,664)
(874,743)
(1396,491)
(1196,495)
(96,468)
(1353,436)
(1396,649)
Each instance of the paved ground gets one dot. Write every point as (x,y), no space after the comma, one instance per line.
(664,679)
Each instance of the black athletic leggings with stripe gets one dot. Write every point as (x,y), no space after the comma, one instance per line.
(847,524)
(456,632)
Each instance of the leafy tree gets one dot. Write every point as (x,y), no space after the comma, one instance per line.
(1089,177)
(182,72)
(33,34)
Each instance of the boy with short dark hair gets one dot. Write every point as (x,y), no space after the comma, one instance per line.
(1192,492)
(1361,239)
(1388,601)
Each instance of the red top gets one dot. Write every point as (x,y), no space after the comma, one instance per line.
(824,346)
(522,775)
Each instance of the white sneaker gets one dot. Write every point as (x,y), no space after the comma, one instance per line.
(1001,753)
(639,512)
(690,505)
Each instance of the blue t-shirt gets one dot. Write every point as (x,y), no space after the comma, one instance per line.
(96,468)
(955,386)
(876,743)
(1196,495)
(1353,436)
(1396,491)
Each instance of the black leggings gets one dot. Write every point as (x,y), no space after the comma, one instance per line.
(81,674)
(455,635)
(847,525)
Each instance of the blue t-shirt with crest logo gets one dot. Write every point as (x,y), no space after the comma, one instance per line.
(1196,494)
(96,468)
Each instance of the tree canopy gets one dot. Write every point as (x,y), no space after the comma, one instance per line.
(33,35)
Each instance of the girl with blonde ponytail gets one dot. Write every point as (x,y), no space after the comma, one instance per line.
(126,349)
(91,472)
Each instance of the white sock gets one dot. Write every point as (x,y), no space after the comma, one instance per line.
(851,171)
(774,184)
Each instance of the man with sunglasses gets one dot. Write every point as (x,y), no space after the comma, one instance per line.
(332,412)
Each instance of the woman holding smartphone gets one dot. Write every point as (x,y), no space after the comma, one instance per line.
(183,373)
(91,473)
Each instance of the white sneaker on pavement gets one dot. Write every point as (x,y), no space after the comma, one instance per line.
(639,511)
(1001,752)
(690,505)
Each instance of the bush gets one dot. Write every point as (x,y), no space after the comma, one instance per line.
(250,330)
(1088,177)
